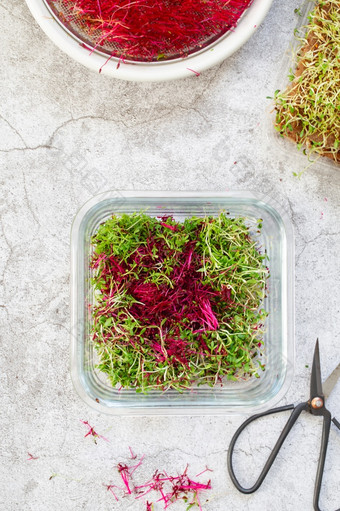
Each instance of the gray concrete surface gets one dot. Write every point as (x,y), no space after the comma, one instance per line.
(183,135)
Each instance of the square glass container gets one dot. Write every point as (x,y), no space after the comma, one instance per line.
(251,396)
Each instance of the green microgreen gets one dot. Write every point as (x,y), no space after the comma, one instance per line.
(308,110)
(177,303)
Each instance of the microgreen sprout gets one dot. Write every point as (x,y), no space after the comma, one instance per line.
(151,30)
(31,457)
(166,489)
(109,488)
(308,111)
(204,471)
(177,304)
(91,432)
(133,455)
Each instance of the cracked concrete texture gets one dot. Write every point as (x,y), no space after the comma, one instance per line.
(67,134)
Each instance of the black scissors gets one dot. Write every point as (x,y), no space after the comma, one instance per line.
(316,406)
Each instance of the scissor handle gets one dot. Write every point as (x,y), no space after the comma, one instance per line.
(290,423)
(327,420)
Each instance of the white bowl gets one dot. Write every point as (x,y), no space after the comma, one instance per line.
(152,71)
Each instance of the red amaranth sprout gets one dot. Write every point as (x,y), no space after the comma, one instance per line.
(170,489)
(109,488)
(152,30)
(176,303)
(193,71)
(92,432)
(31,457)
(126,472)
(125,475)
(204,471)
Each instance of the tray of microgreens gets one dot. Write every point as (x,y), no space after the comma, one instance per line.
(307,110)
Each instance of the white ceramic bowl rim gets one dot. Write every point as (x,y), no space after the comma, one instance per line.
(179,68)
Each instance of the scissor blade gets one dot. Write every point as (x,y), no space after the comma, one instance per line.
(331,381)
(315,381)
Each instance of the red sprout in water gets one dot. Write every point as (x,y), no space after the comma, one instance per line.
(92,432)
(149,506)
